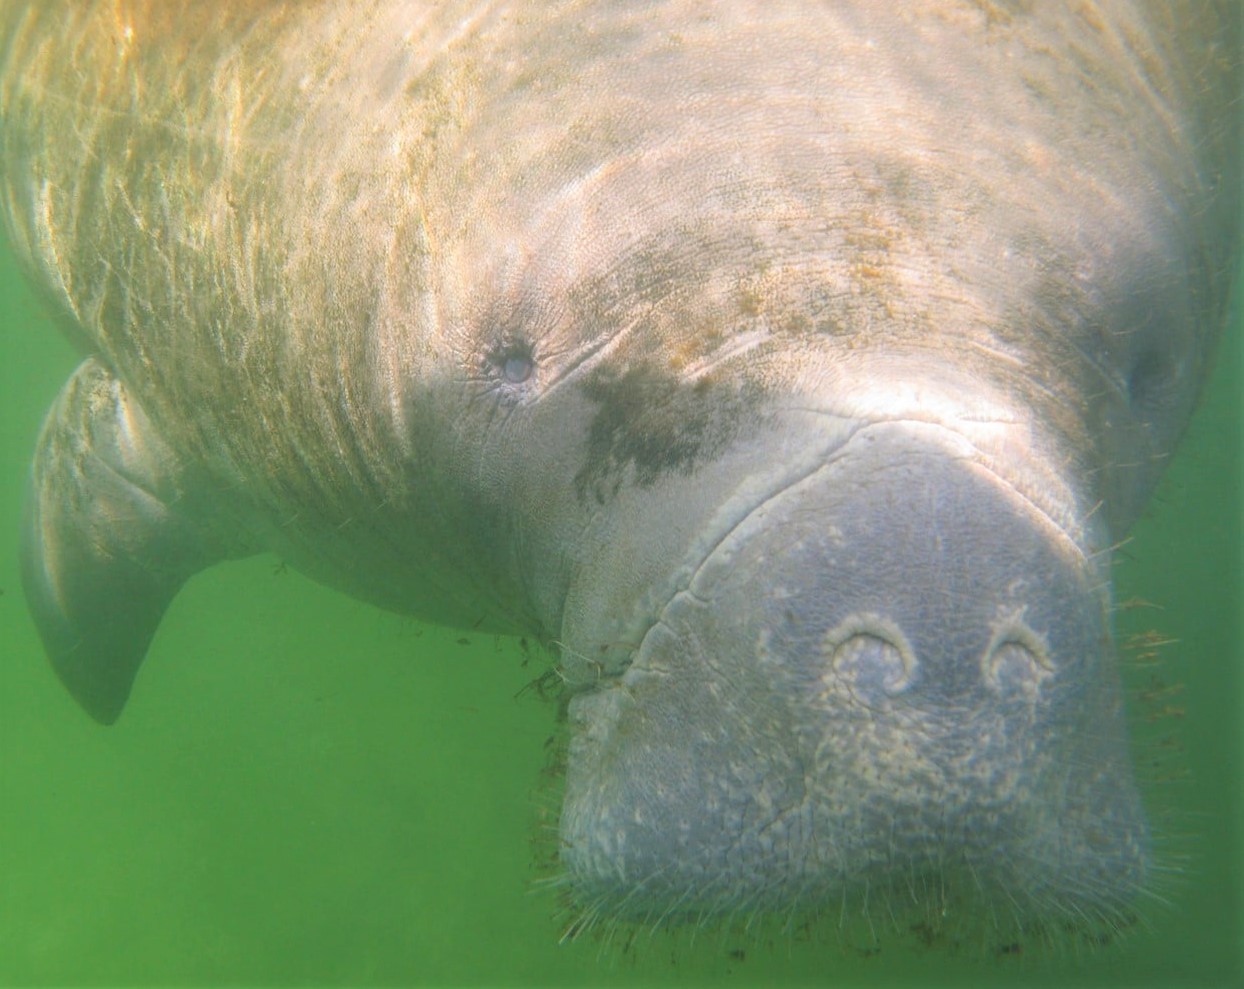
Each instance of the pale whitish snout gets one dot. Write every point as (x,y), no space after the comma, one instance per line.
(895,675)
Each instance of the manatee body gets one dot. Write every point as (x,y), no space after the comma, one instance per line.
(789,368)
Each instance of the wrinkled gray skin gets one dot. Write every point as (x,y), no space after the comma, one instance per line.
(789,367)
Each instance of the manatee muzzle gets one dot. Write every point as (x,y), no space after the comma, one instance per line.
(894,676)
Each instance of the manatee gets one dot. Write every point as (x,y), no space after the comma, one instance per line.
(789,369)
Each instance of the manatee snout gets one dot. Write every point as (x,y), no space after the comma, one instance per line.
(891,683)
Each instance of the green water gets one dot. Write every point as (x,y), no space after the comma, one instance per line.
(305,790)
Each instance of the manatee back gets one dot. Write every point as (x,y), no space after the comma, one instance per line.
(193,189)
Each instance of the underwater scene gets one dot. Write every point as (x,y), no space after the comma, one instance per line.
(307,790)
(798,379)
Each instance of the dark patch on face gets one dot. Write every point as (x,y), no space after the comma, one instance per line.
(650,422)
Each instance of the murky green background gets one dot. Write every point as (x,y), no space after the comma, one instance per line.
(306,790)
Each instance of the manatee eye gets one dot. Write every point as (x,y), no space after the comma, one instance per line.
(517,367)
(511,363)
(1151,380)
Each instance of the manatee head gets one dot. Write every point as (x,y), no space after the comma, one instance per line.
(806,445)
(830,602)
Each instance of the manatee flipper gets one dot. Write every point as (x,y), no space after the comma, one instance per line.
(107,540)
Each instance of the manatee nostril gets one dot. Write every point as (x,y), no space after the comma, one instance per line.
(1016,661)
(870,654)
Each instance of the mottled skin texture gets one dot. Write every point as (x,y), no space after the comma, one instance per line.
(789,366)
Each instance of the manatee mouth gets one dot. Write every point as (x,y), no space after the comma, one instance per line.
(892,682)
